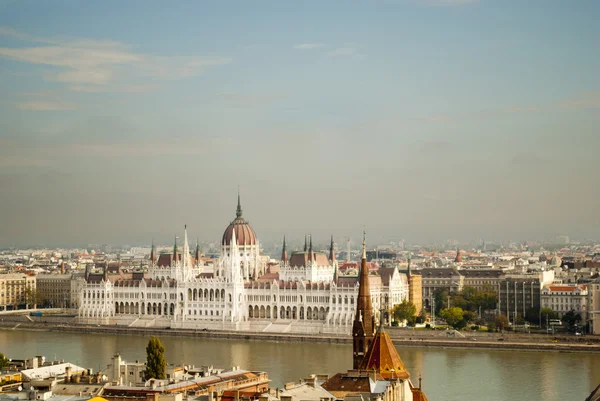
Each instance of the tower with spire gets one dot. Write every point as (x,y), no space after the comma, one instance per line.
(363,327)
(458,258)
(284,254)
(331,251)
(197,254)
(153,254)
(175,253)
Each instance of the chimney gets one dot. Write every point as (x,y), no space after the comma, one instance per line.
(68,374)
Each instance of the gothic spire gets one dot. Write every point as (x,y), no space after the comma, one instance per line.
(363,327)
(408,270)
(197,253)
(364,248)
(305,243)
(175,252)
(238,211)
(186,249)
(331,251)
(284,255)
(311,256)
(153,253)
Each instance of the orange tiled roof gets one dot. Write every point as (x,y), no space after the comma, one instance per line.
(417,394)
(383,357)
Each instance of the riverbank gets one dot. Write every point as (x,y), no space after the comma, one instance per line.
(401,337)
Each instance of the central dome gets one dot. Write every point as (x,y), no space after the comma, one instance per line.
(244,234)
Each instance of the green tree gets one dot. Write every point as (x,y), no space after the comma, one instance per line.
(404,311)
(3,361)
(453,316)
(155,360)
(32,297)
(571,318)
(532,315)
(547,314)
(440,298)
(501,322)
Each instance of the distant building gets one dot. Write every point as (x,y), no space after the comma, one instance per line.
(59,290)
(594,306)
(16,290)
(565,298)
(239,291)
(519,292)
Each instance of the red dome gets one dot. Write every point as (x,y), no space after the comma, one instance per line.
(244,234)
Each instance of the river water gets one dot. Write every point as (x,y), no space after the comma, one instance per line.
(448,374)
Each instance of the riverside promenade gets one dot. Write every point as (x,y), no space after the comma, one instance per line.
(401,336)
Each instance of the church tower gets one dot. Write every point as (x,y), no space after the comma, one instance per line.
(363,329)
(458,258)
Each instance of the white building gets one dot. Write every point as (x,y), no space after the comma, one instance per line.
(563,298)
(237,293)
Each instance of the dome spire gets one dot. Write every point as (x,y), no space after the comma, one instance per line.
(238,211)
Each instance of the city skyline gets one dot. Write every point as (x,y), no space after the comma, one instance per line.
(417,119)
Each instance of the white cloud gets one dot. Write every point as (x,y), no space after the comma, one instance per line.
(88,62)
(586,100)
(308,46)
(112,88)
(45,105)
(343,51)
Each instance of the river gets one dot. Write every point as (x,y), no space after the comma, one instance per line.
(448,374)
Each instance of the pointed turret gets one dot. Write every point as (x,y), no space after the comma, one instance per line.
(363,327)
(305,243)
(153,253)
(382,356)
(331,251)
(197,253)
(175,251)
(185,258)
(311,255)
(408,269)
(284,254)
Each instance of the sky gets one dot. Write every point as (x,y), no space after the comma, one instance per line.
(416,119)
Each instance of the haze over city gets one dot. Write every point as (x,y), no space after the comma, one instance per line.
(417,119)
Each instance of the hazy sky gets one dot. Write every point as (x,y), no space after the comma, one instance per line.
(419,119)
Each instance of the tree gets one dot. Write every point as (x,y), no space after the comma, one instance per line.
(3,361)
(32,297)
(404,311)
(440,298)
(468,317)
(155,360)
(532,315)
(547,314)
(453,316)
(571,318)
(501,322)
